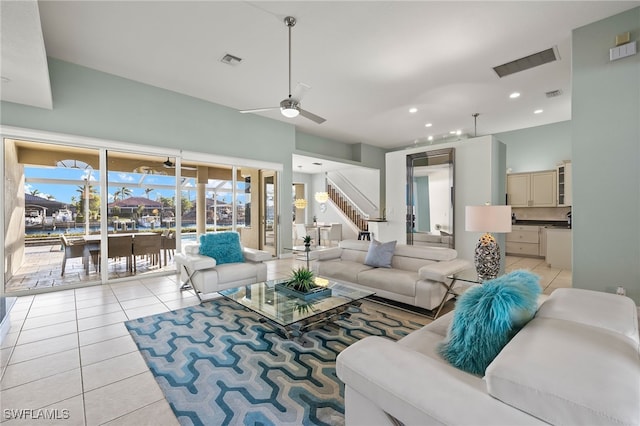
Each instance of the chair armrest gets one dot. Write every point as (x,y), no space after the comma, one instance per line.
(254,255)
(438,271)
(326,253)
(195,262)
(191,248)
(415,388)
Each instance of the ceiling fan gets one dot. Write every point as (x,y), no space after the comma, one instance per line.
(290,107)
(171,165)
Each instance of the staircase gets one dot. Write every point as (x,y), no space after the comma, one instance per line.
(348,208)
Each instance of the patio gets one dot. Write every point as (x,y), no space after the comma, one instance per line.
(43,267)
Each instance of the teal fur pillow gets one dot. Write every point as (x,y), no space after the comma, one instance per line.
(224,247)
(487,316)
(380,254)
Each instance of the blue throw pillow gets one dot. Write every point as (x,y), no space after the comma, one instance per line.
(224,247)
(487,316)
(380,254)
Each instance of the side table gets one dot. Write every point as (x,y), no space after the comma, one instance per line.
(469,276)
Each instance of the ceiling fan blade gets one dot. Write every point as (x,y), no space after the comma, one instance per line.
(311,116)
(299,91)
(244,111)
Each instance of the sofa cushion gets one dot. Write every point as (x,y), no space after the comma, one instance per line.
(486,318)
(594,308)
(343,270)
(224,247)
(379,254)
(391,280)
(564,372)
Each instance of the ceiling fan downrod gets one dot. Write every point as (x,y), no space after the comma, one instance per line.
(290,21)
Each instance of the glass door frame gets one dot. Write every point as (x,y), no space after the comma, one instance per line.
(49,137)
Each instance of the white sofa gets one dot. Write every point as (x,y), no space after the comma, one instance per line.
(576,362)
(206,276)
(417,275)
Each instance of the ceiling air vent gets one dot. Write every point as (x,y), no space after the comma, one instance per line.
(230,59)
(553,93)
(527,62)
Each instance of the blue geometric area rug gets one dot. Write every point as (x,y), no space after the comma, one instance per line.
(218,365)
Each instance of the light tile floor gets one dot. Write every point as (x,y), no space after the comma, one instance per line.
(69,351)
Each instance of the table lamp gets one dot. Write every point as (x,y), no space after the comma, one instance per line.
(487,219)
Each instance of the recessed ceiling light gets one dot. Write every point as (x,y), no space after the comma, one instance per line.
(428,125)
(413,110)
(430,138)
(458,132)
(453,132)
(538,111)
(514,95)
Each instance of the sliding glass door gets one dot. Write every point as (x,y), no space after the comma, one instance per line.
(76,214)
(52,204)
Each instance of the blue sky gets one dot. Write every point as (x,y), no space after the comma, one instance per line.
(134,181)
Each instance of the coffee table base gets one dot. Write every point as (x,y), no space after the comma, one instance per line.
(297,329)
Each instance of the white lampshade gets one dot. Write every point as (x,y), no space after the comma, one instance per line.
(322,197)
(488,218)
(290,112)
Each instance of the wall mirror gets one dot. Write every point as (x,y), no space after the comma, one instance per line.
(430,198)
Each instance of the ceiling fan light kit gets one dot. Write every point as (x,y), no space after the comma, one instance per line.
(290,107)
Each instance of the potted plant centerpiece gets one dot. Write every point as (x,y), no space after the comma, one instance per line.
(307,248)
(307,242)
(301,284)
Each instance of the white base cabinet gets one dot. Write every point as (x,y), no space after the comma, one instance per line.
(559,248)
(523,240)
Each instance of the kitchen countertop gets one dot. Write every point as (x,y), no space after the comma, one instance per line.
(546,223)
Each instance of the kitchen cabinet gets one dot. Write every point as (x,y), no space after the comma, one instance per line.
(542,234)
(563,172)
(559,248)
(523,240)
(532,189)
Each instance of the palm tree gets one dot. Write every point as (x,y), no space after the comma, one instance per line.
(50,197)
(35,191)
(147,191)
(122,193)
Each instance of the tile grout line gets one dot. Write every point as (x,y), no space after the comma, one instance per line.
(13,346)
(84,405)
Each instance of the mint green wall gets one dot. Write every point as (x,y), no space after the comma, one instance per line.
(91,103)
(95,104)
(537,148)
(606,153)
(322,146)
(357,154)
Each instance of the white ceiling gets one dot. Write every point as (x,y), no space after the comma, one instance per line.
(367,62)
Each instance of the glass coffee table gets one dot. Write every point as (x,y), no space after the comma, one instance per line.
(292,315)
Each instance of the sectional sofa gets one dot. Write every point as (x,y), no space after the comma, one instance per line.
(417,276)
(577,362)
